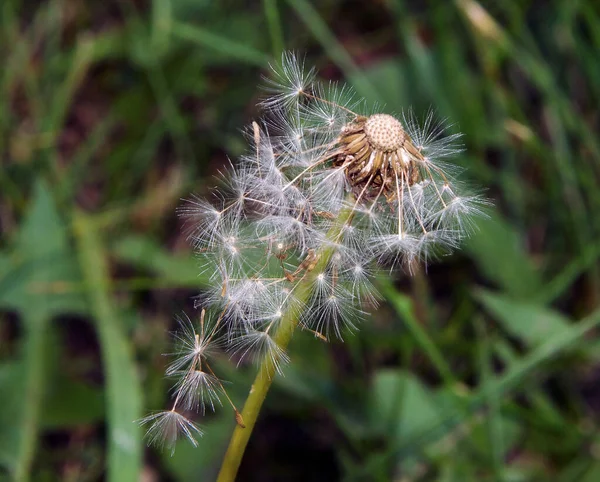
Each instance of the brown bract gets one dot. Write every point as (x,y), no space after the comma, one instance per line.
(379,156)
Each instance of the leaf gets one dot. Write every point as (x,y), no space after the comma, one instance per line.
(451,413)
(41,267)
(401,406)
(404,409)
(531,323)
(499,253)
(37,271)
(509,429)
(122,383)
(402,304)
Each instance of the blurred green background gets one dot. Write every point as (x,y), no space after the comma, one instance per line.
(483,366)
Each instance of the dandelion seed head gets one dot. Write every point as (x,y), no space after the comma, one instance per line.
(329,194)
(403,196)
(384,132)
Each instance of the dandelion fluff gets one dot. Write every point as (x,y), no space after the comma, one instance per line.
(168,426)
(329,193)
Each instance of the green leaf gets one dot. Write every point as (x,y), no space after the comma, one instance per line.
(32,284)
(402,304)
(453,411)
(531,323)
(41,266)
(400,405)
(499,253)
(404,409)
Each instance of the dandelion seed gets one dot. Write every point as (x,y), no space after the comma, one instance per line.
(192,345)
(166,427)
(288,80)
(332,311)
(361,286)
(197,389)
(259,346)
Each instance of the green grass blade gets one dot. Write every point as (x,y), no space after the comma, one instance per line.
(170,111)
(511,267)
(147,255)
(565,279)
(221,44)
(555,345)
(80,62)
(162,18)
(493,421)
(31,396)
(403,307)
(123,386)
(274,24)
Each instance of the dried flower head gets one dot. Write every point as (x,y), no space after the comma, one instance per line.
(326,195)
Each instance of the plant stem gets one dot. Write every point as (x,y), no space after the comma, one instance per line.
(267,369)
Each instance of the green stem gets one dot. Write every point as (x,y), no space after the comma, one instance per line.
(267,370)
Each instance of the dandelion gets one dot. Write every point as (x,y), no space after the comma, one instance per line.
(327,195)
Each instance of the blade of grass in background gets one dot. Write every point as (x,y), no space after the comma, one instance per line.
(161,25)
(173,118)
(123,391)
(565,279)
(275,30)
(224,45)
(144,254)
(402,305)
(531,323)
(495,435)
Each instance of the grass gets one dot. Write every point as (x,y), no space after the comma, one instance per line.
(482,367)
